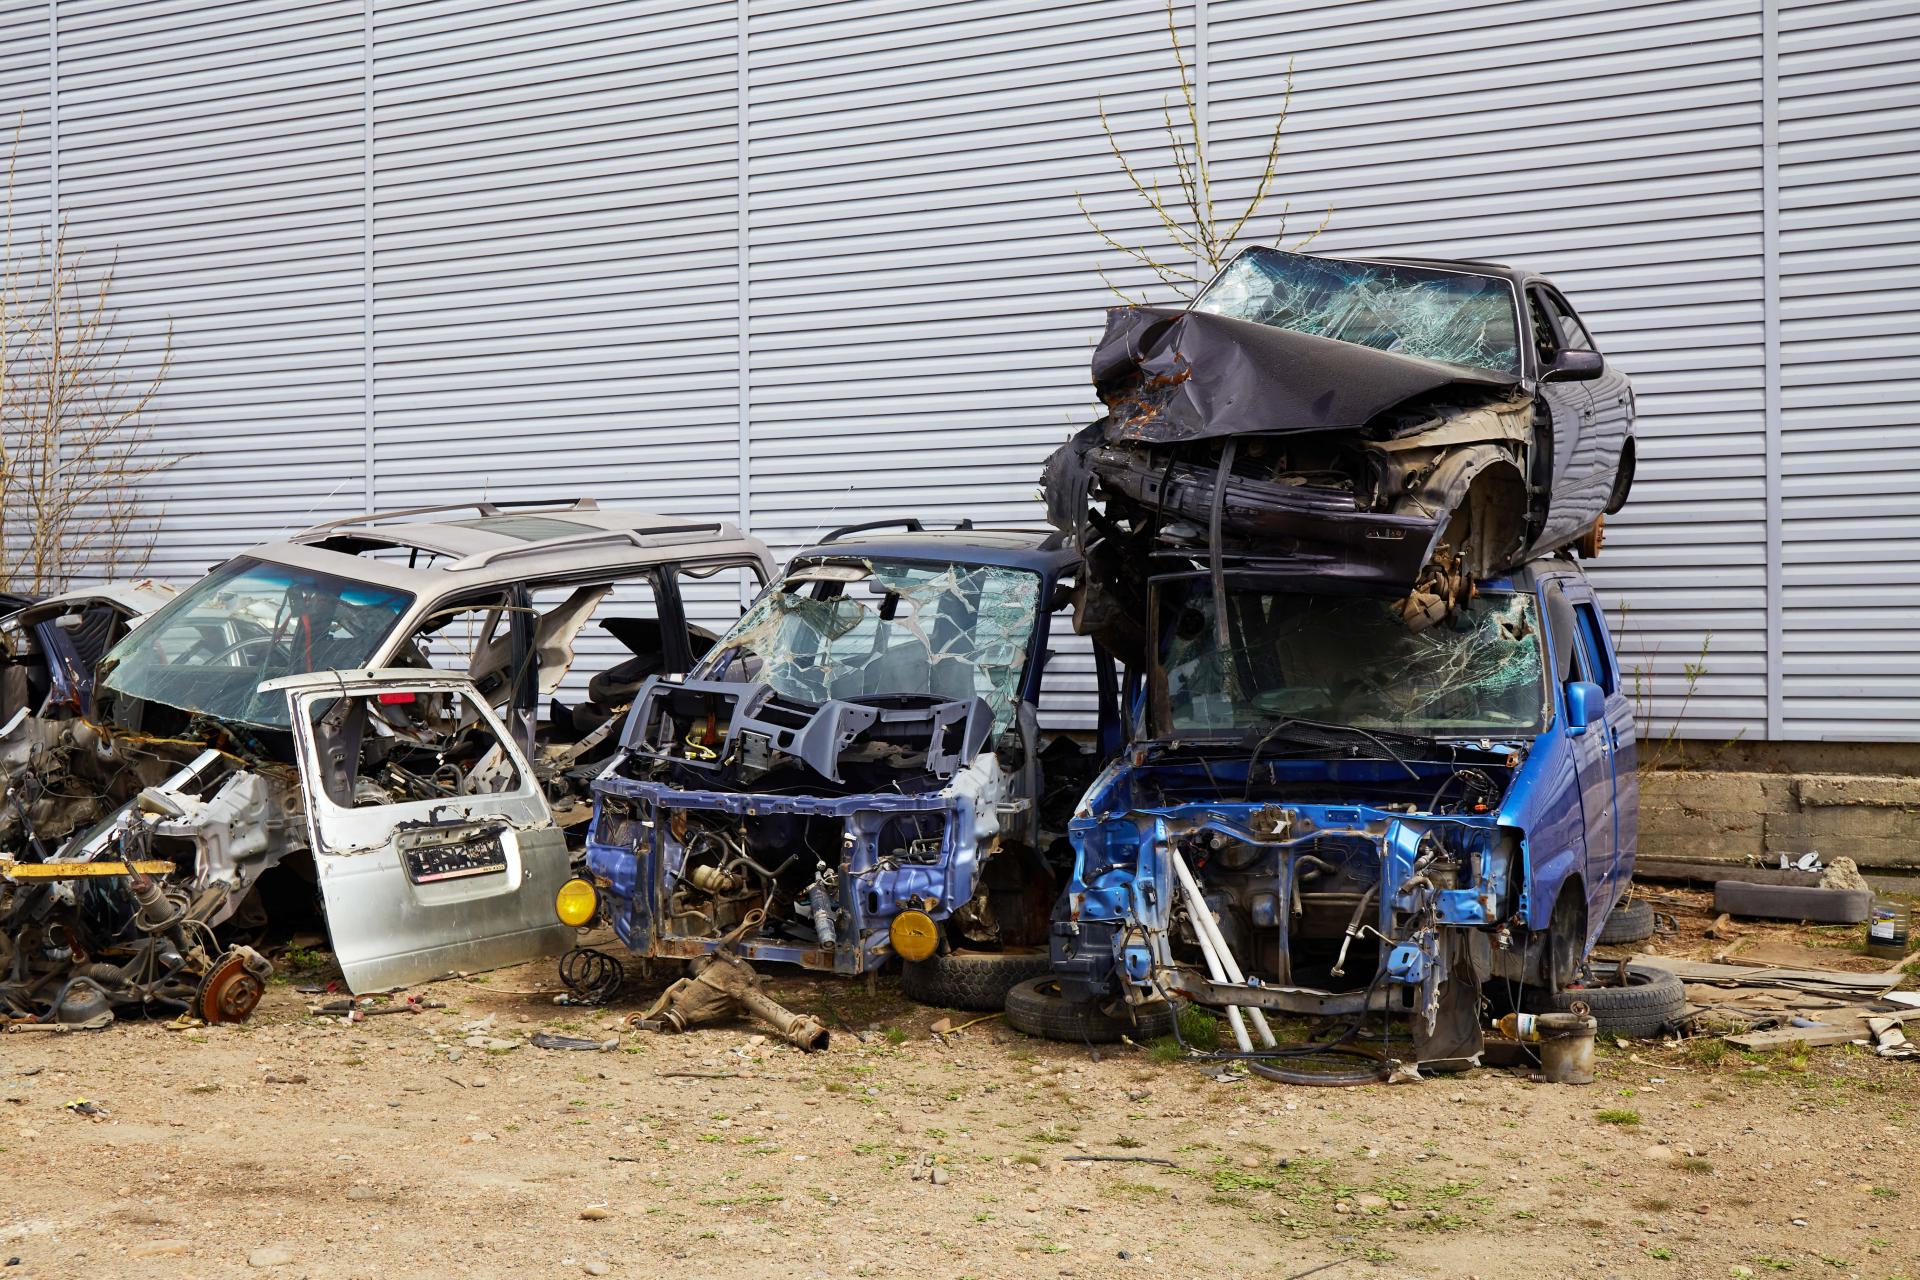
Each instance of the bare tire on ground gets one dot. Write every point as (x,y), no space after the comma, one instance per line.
(1631,920)
(1651,1000)
(976,980)
(1037,1008)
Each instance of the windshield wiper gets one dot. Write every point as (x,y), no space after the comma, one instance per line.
(1286,726)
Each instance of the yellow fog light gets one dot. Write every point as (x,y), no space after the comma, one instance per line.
(575,903)
(914,935)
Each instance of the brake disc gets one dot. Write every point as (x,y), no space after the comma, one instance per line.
(233,986)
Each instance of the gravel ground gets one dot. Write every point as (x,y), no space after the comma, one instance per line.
(422,1146)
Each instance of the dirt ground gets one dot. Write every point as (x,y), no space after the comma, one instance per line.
(423,1146)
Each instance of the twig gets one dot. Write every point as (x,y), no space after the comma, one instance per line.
(1126,1160)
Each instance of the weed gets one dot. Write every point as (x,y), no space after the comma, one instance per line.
(1619,1116)
(1665,1255)
(1653,1204)
(1127,1143)
(1694,1164)
(1886,1193)
(1164,1051)
(1200,1029)
(1772,1263)
(895,1035)
(1225,1180)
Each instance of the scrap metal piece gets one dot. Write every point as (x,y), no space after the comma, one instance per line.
(718,986)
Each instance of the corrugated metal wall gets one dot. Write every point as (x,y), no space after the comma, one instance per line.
(805,264)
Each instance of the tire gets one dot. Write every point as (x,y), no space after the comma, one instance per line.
(973,980)
(1631,920)
(1792,902)
(1037,1008)
(1651,1001)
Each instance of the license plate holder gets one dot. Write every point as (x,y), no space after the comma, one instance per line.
(433,858)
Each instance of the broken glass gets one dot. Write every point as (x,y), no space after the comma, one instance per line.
(876,628)
(210,647)
(1418,311)
(1349,660)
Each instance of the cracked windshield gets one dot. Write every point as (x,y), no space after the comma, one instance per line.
(857,630)
(1349,660)
(1438,315)
(249,621)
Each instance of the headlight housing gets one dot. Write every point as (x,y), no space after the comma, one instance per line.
(576,902)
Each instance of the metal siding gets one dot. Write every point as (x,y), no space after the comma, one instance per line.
(215,155)
(829,266)
(1850,330)
(921,309)
(1617,148)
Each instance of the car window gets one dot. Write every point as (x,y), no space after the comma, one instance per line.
(1546,340)
(1593,648)
(397,746)
(1566,326)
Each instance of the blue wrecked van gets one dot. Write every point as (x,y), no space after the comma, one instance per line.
(1326,812)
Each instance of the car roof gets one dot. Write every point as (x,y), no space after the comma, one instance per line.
(1036,549)
(485,544)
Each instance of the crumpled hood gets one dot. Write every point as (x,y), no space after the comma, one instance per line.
(1170,374)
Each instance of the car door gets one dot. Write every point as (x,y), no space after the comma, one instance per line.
(435,850)
(1610,421)
(1603,669)
(1570,406)
(1592,757)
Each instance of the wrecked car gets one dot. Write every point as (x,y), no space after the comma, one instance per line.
(49,648)
(1332,815)
(1410,424)
(380,714)
(856,771)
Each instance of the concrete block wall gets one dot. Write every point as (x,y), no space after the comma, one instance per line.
(1738,817)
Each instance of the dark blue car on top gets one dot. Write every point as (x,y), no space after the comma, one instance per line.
(1325,812)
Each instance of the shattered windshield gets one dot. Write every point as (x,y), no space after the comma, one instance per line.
(848,629)
(1417,311)
(1348,659)
(250,620)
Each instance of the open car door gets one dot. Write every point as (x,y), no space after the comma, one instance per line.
(435,849)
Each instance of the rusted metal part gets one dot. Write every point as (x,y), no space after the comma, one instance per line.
(720,986)
(233,988)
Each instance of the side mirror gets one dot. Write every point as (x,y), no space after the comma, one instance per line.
(1585,704)
(1575,366)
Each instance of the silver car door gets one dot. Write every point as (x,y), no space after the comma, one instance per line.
(435,850)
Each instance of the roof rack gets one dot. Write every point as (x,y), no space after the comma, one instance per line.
(483,508)
(907,525)
(631,537)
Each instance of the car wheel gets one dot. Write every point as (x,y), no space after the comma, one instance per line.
(1037,1008)
(975,980)
(1631,920)
(1651,1001)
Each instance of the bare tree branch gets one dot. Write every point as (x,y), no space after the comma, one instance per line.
(1189,225)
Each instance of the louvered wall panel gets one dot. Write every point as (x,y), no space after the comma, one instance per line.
(26,83)
(922,309)
(215,149)
(555,272)
(1616,147)
(1850,341)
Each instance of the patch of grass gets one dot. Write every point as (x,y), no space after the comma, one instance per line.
(1665,1255)
(1772,1263)
(895,1035)
(1225,1180)
(1127,1143)
(1164,1051)
(1653,1204)
(1886,1193)
(1695,1164)
(1027,1158)
(1618,1115)
(1199,1028)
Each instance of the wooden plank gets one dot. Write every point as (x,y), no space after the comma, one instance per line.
(1830,1032)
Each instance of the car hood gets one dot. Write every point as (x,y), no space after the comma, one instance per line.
(1169,374)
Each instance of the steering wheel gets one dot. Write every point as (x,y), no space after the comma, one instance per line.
(234,649)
